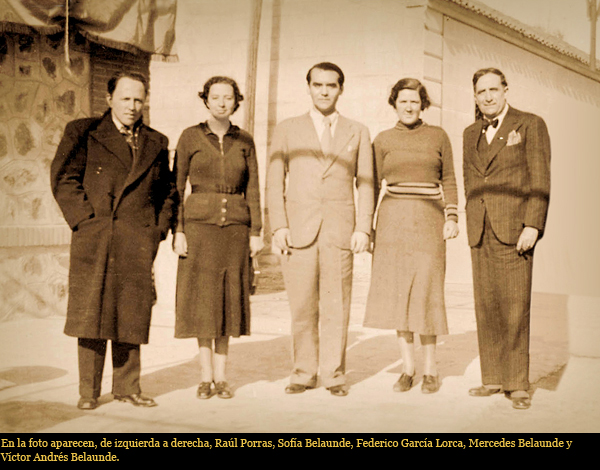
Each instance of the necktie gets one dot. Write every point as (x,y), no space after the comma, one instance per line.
(326,136)
(131,138)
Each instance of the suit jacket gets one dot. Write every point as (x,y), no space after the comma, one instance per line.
(119,210)
(511,184)
(309,192)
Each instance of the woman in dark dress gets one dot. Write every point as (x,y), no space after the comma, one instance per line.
(416,216)
(218,230)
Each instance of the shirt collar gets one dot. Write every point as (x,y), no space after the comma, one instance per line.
(233,129)
(501,116)
(318,117)
(121,127)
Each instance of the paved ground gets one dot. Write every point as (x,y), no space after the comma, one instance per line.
(39,380)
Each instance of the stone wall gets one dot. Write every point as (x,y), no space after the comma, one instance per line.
(38,96)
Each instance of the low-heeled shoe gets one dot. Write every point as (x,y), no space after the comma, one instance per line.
(223,390)
(137,399)
(204,392)
(292,389)
(484,391)
(338,390)
(87,403)
(521,403)
(404,383)
(431,384)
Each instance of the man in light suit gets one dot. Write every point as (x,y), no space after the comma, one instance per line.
(507,186)
(112,181)
(316,161)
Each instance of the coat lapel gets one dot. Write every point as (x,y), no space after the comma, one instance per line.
(148,149)
(472,139)
(343,133)
(109,136)
(510,123)
(312,139)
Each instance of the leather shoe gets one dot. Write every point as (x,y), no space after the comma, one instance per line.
(223,390)
(136,399)
(204,392)
(87,403)
(338,390)
(521,402)
(404,383)
(292,389)
(431,384)
(484,391)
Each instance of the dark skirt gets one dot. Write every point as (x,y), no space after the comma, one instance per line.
(213,282)
(409,265)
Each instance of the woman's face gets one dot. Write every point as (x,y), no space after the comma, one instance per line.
(408,106)
(221,100)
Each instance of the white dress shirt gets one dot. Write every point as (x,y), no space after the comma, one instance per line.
(491,131)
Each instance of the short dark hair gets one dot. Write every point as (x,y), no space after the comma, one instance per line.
(327,66)
(220,79)
(112,83)
(481,72)
(410,84)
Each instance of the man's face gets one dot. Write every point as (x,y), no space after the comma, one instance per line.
(324,90)
(490,95)
(127,101)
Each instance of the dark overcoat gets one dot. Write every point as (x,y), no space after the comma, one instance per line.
(119,209)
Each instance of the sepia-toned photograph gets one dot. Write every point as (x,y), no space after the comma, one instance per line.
(284,217)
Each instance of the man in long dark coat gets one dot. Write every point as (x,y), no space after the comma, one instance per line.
(112,181)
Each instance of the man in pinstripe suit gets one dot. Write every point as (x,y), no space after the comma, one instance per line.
(507,184)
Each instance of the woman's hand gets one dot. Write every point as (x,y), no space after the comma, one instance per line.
(256,245)
(180,246)
(450,229)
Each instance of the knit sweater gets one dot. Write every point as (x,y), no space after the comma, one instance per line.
(418,155)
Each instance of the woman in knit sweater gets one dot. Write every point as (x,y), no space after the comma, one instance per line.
(417,214)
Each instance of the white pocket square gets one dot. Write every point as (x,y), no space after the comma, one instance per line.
(514,138)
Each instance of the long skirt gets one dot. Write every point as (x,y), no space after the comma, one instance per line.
(409,265)
(213,282)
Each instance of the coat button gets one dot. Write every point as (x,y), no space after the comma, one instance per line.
(223,200)
(481,200)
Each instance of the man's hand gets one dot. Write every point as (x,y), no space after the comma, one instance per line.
(282,240)
(180,244)
(450,229)
(256,245)
(527,240)
(359,242)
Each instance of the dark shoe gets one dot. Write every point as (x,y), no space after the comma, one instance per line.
(292,389)
(223,390)
(431,384)
(338,390)
(404,383)
(137,399)
(483,391)
(204,392)
(87,403)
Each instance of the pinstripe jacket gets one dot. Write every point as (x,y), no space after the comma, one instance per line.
(511,183)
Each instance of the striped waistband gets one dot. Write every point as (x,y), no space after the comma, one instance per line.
(215,189)
(420,190)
